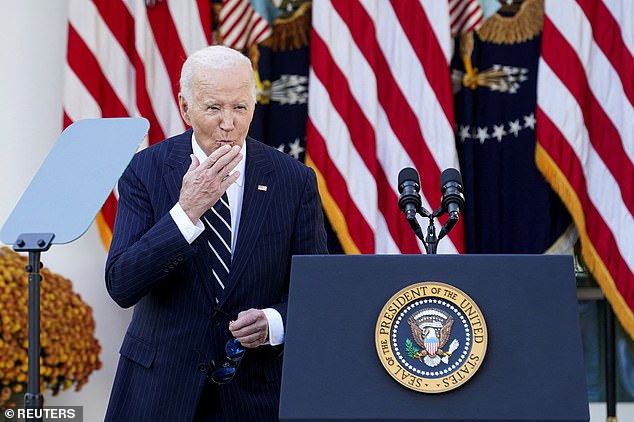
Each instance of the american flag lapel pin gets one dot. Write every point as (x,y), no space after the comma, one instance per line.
(263,188)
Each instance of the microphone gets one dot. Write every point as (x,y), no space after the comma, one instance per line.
(452,192)
(408,186)
(452,198)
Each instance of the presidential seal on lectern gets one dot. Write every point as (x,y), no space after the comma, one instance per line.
(431,337)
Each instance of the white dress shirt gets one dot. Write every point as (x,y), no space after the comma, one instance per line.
(191,231)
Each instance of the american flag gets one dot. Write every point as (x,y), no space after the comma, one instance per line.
(241,25)
(585,130)
(464,16)
(124,59)
(380,100)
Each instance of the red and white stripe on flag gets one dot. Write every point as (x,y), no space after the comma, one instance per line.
(464,16)
(241,26)
(380,100)
(585,131)
(124,60)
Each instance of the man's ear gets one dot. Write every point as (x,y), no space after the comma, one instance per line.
(184,108)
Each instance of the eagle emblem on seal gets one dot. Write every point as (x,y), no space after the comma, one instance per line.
(431,329)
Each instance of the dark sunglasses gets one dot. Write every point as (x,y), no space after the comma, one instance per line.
(226,372)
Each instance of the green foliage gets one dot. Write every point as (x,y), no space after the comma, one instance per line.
(411,350)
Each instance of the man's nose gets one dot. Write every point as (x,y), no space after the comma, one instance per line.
(226,120)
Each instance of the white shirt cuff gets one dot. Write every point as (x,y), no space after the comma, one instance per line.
(189,230)
(276,326)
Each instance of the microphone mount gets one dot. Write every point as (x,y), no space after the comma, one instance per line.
(431,240)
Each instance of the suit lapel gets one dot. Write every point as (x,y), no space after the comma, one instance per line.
(255,203)
(176,164)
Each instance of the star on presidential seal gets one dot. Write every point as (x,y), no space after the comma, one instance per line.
(431,337)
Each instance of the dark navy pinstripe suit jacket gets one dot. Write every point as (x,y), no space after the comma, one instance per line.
(174,329)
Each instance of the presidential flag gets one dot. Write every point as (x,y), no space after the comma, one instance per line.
(380,100)
(585,131)
(124,60)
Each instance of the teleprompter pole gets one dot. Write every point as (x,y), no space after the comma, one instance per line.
(34,244)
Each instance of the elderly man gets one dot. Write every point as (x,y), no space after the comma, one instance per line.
(207,223)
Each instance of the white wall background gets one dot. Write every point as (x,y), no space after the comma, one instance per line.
(32,54)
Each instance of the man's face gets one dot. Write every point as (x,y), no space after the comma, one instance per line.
(222,107)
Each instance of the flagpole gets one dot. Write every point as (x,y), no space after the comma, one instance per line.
(610,364)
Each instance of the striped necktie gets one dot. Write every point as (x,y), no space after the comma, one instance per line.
(217,222)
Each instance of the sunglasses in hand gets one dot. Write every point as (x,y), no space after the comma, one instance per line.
(225,373)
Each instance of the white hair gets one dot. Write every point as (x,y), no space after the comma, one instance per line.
(214,57)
